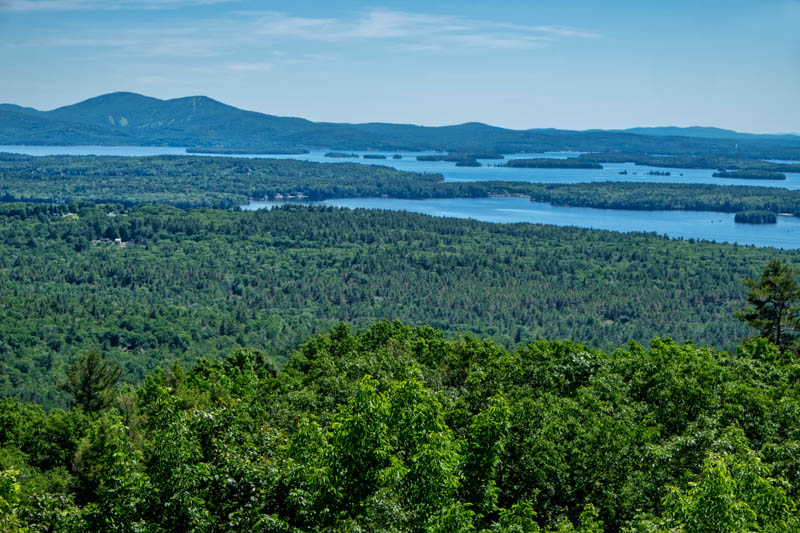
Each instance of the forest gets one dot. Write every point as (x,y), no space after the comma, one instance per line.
(227,182)
(712,161)
(570,162)
(221,150)
(194,181)
(456,157)
(180,284)
(755,217)
(311,368)
(668,196)
(397,428)
(750,174)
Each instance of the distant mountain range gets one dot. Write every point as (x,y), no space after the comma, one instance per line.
(125,118)
(711,133)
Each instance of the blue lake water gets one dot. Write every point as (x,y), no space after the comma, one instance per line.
(677,224)
(703,225)
(488,172)
(93,150)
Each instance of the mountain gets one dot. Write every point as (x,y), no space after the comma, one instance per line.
(12,108)
(193,120)
(133,119)
(710,133)
(32,128)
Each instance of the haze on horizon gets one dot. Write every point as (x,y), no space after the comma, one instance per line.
(577,65)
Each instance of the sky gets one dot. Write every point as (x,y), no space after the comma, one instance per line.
(572,64)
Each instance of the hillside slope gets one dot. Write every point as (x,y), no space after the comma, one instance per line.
(130,118)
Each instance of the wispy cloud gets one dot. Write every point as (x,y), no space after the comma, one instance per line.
(261,32)
(498,41)
(382,24)
(140,44)
(249,67)
(99,5)
(566,31)
(429,32)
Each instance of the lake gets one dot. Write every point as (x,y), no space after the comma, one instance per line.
(703,225)
(488,172)
(677,224)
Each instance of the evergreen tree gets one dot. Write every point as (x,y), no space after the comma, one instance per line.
(88,380)
(773,308)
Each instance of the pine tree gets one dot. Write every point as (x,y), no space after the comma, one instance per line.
(88,381)
(773,308)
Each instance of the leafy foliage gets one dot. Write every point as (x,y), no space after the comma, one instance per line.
(185,284)
(396,428)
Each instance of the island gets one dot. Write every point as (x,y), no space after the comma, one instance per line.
(546,162)
(340,155)
(374,156)
(484,155)
(750,174)
(721,162)
(468,163)
(755,217)
(221,150)
(397,156)
(459,156)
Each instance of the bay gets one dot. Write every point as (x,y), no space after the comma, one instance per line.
(676,224)
(92,150)
(488,172)
(698,225)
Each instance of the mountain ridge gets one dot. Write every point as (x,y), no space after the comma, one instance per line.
(135,119)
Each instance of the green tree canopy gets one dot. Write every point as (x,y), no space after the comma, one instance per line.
(89,378)
(773,308)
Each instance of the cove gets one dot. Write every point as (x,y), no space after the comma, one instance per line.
(699,225)
(488,172)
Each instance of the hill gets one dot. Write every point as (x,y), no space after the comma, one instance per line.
(133,119)
(189,283)
(711,133)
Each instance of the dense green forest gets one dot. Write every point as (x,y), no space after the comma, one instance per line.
(570,162)
(183,284)
(185,181)
(195,181)
(461,160)
(667,196)
(755,217)
(217,150)
(750,174)
(456,157)
(209,370)
(396,428)
(713,161)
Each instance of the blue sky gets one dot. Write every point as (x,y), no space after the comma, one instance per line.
(520,64)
